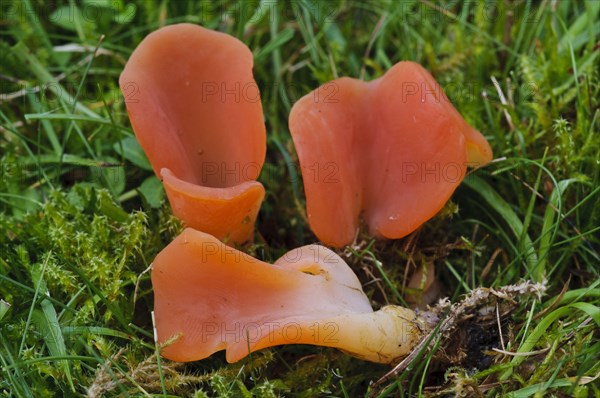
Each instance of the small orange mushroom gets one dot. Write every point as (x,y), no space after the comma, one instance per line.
(209,297)
(423,286)
(195,109)
(393,149)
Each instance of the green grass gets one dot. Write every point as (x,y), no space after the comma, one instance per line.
(82,216)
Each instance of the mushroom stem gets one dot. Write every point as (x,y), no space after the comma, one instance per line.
(210,297)
(383,336)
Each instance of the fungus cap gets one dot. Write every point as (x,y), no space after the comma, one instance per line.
(209,297)
(393,149)
(195,109)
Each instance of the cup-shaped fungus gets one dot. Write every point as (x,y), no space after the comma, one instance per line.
(393,149)
(209,297)
(195,109)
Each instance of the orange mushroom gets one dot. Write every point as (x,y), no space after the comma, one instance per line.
(393,149)
(196,111)
(423,286)
(209,297)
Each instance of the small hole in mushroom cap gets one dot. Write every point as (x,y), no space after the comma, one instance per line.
(314,270)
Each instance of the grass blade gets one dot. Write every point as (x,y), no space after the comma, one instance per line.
(47,323)
(513,221)
(539,331)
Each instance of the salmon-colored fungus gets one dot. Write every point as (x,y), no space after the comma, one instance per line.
(196,111)
(393,149)
(209,297)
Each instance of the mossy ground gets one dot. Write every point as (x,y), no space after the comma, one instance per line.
(82,216)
